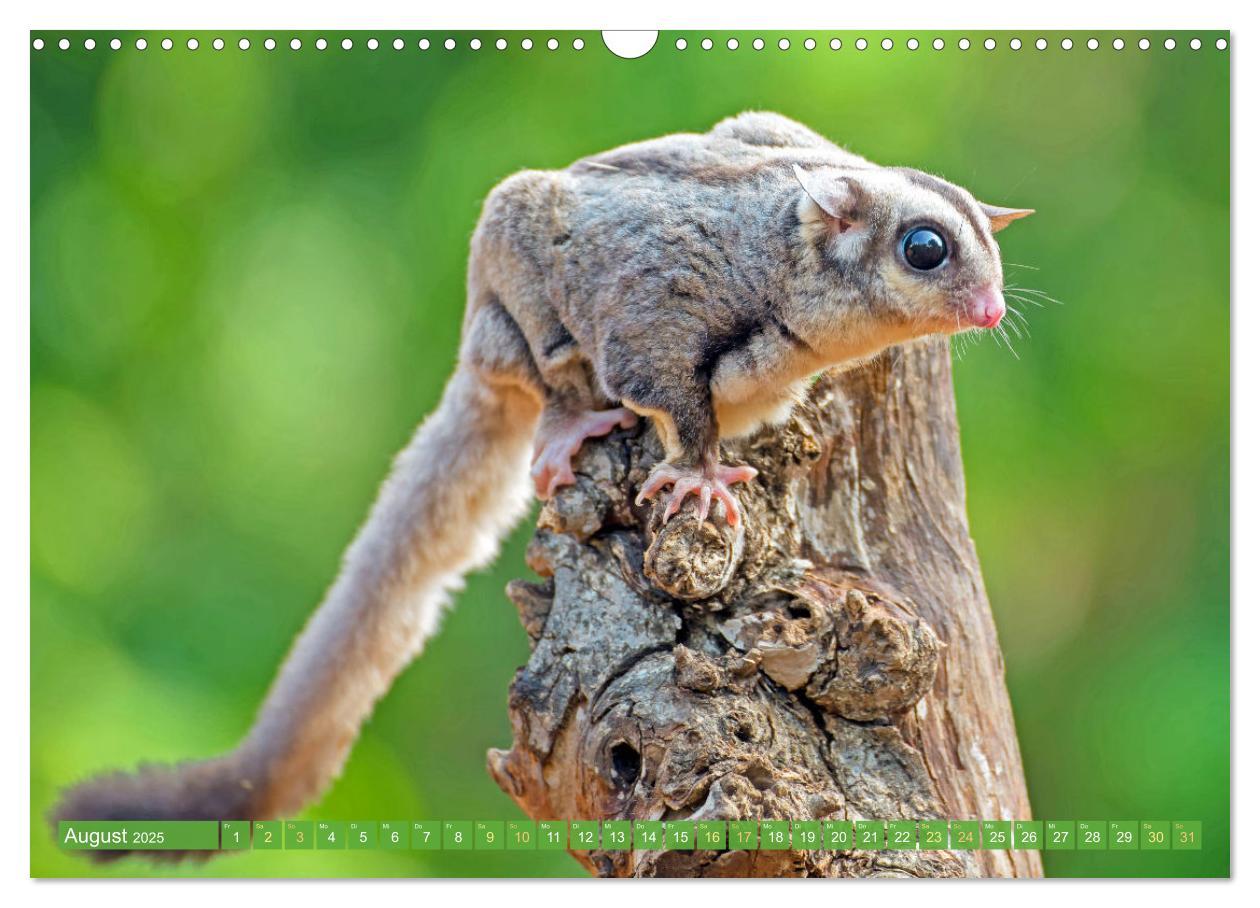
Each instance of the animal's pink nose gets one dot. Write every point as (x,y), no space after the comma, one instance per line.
(986,307)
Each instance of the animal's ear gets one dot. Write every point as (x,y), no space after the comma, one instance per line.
(1000,217)
(837,198)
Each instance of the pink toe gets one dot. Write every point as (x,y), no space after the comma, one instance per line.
(559,479)
(732,475)
(682,488)
(539,474)
(706,501)
(730,505)
(648,489)
(655,482)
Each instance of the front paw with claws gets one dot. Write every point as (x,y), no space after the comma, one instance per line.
(707,482)
(560,439)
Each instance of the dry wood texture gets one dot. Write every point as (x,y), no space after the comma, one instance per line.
(836,658)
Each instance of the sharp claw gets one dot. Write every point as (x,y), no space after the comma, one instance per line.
(706,499)
(653,485)
(541,481)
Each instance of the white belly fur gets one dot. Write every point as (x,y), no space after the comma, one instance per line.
(760,387)
(737,418)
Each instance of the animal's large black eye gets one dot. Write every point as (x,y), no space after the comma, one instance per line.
(924,248)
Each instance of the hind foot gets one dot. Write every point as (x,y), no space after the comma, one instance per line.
(708,482)
(558,440)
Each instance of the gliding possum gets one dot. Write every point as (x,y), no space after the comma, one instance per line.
(697,281)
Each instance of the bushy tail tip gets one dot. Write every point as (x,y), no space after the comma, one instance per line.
(209,790)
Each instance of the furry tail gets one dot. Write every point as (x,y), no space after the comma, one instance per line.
(454,491)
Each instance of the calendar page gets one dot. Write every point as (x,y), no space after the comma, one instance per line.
(704,454)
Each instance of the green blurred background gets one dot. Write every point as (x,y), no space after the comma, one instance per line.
(247,280)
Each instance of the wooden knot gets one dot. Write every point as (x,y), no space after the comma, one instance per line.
(882,661)
(690,560)
(854,653)
(579,510)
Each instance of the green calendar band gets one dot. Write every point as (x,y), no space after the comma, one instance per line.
(637,835)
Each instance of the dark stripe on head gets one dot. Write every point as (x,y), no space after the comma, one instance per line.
(950,193)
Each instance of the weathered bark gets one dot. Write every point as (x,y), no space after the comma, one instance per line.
(834,659)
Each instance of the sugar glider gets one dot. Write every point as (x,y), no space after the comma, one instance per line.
(695,280)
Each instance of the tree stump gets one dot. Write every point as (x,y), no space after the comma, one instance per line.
(835,658)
